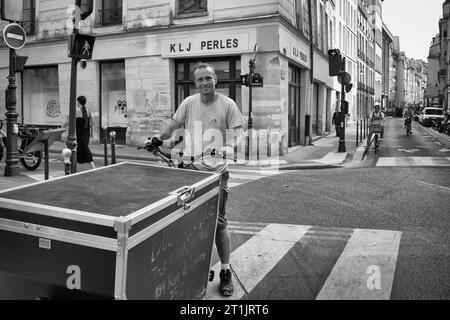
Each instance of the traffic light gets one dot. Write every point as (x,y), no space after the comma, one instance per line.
(344,106)
(81,46)
(334,62)
(348,87)
(244,80)
(11,10)
(86,8)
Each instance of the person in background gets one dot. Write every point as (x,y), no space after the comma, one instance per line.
(335,121)
(84,132)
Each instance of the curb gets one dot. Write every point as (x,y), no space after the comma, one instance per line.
(311,166)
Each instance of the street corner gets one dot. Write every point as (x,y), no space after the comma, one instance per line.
(14,182)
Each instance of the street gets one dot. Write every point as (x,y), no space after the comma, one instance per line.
(375,231)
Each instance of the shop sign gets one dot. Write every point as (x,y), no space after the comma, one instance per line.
(208,44)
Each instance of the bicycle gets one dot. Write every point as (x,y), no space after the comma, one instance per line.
(408,126)
(375,130)
(30,161)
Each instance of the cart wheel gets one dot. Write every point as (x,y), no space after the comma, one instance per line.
(211,275)
(30,161)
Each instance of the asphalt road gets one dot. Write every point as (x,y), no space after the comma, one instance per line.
(314,234)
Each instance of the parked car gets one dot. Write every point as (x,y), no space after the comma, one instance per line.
(428,115)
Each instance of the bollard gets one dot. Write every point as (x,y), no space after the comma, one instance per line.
(66,153)
(360,133)
(364,128)
(105,142)
(357,132)
(112,134)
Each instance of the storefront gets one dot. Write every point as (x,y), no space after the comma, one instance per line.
(134,84)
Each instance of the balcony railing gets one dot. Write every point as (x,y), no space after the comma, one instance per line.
(110,16)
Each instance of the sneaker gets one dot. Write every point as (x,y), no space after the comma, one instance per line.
(226,287)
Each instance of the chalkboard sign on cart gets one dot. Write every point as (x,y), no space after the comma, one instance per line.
(127,231)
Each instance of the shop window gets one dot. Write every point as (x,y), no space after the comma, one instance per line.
(192,6)
(29,17)
(110,12)
(113,99)
(41,104)
(228,78)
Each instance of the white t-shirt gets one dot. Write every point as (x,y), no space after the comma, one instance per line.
(208,127)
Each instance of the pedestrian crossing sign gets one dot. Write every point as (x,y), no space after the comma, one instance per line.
(81,46)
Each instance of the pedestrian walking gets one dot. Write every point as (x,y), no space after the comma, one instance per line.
(207,117)
(335,121)
(84,132)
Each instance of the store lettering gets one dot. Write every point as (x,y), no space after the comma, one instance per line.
(219,44)
(298,54)
(173,47)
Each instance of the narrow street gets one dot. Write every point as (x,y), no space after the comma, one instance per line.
(391,215)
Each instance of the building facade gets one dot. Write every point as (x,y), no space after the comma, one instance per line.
(366,61)
(438,84)
(387,61)
(145,51)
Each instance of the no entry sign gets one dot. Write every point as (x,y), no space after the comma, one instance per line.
(14,36)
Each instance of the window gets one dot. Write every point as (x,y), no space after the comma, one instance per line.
(29,16)
(113,98)
(306,31)
(41,103)
(110,12)
(228,78)
(192,6)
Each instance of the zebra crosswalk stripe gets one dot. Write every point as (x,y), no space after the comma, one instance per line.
(364,270)
(413,161)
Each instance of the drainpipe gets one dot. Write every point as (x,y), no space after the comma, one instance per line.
(311,75)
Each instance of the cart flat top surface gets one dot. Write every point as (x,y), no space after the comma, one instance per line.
(114,191)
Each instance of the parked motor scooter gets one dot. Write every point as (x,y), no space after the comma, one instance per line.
(2,140)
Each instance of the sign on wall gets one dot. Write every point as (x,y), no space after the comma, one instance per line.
(207,44)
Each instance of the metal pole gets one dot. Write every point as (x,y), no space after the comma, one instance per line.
(46,159)
(105,144)
(250,107)
(341,147)
(12,155)
(357,132)
(360,131)
(72,137)
(113,147)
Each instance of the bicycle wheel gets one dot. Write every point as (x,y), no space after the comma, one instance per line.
(30,161)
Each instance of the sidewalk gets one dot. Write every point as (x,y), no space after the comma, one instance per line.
(323,153)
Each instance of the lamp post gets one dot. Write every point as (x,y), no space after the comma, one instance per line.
(251,65)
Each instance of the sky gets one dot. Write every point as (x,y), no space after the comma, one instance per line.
(415,22)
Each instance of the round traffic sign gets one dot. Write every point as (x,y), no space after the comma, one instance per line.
(14,36)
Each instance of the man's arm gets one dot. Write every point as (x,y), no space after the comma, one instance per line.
(166,133)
